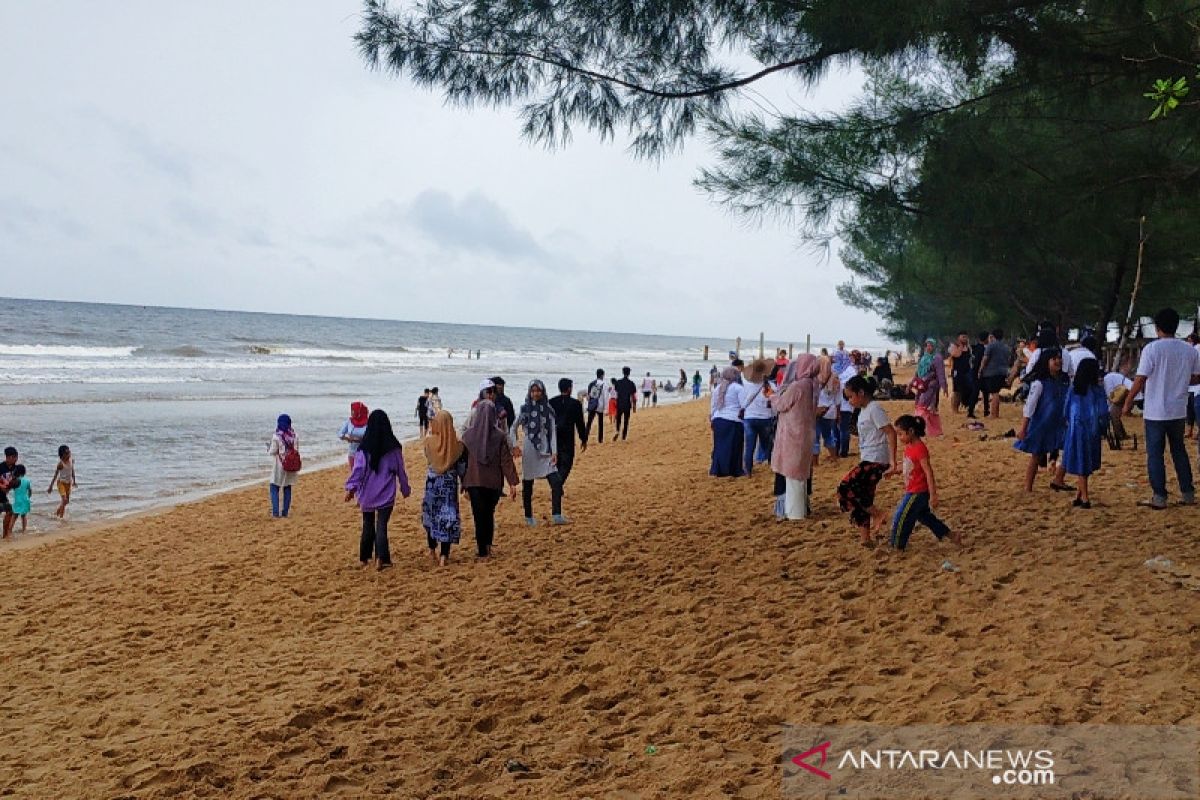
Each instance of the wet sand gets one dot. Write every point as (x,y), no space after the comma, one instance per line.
(211,651)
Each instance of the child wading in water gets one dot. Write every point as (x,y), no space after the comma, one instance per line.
(1041,433)
(877,447)
(21,494)
(1086,414)
(920,488)
(64,477)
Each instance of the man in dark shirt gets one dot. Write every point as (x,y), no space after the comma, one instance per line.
(626,392)
(503,403)
(976,360)
(568,422)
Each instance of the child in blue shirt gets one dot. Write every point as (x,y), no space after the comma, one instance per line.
(21,492)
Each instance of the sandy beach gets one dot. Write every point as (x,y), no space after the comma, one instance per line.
(209,651)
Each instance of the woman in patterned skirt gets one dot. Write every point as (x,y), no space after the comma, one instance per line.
(439,510)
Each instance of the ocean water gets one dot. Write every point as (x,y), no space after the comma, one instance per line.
(160,405)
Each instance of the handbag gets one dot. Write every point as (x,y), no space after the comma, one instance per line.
(742,411)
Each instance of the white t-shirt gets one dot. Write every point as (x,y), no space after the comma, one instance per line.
(1073,358)
(1032,356)
(845,376)
(732,405)
(755,401)
(872,441)
(1168,366)
(647,384)
(1111,381)
(828,401)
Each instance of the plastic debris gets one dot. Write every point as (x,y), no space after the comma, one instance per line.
(1159,562)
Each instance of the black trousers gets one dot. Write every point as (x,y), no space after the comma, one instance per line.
(622,420)
(374,536)
(556,494)
(483,508)
(566,460)
(591,416)
(445,546)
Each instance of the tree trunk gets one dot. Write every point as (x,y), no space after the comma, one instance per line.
(1137,284)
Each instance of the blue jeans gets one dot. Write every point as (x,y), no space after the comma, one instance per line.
(827,431)
(1159,433)
(758,433)
(287,500)
(844,433)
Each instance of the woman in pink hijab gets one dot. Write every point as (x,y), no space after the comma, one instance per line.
(796,406)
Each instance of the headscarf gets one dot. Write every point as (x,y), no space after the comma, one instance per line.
(800,427)
(824,371)
(728,375)
(442,447)
(358,414)
(379,439)
(484,433)
(283,428)
(925,365)
(537,419)
(805,366)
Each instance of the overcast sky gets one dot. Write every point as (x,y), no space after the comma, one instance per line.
(240,156)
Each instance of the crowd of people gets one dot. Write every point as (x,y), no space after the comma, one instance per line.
(480,460)
(786,411)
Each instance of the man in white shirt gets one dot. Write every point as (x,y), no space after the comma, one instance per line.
(1167,367)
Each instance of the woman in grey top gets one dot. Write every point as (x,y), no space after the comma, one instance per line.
(539,454)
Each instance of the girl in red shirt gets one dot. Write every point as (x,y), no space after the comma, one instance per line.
(920,487)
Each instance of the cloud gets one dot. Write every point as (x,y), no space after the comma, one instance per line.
(158,156)
(474,224)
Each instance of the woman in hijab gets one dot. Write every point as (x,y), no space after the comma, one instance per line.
(539,456)
(489,465)
(353,429)
(378,467)
(930,380)
(796,406)
(283,442)
(725,419)
(447,464)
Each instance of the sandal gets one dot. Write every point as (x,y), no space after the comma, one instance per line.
(1060,487)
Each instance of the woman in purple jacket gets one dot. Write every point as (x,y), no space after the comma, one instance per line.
(378,467)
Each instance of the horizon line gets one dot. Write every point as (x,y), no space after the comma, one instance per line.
(730,339)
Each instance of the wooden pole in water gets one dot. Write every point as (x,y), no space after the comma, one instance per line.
(808,342)
(761,342)
(791,347)
(737,348)
(706,352)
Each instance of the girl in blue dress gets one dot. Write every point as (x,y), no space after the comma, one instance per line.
(1042,430)
(1086,415)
